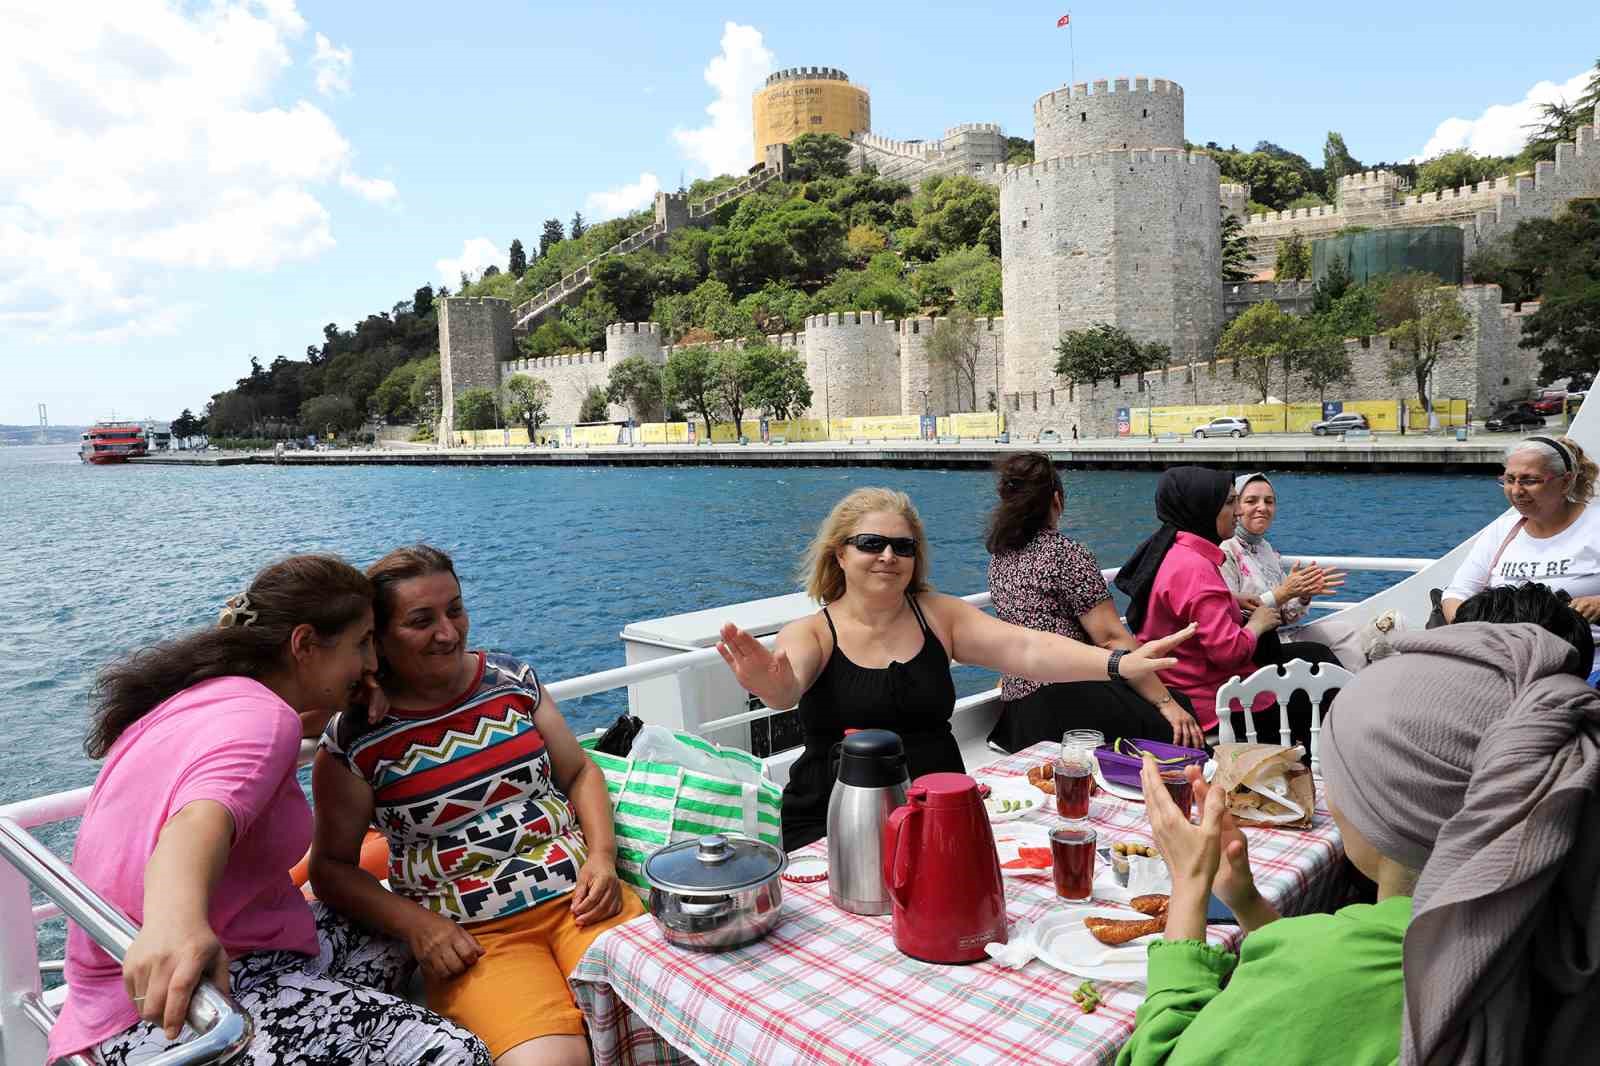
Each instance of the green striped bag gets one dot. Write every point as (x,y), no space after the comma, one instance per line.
(657,803)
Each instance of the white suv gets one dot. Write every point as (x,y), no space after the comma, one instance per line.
(1223,427)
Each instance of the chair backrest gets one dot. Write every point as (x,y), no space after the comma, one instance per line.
(1316,680)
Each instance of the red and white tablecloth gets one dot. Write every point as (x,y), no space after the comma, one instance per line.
(829,987)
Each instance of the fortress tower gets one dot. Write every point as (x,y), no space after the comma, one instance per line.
(1115,222)
(808,100)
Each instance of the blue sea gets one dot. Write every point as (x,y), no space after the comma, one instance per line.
(554,562)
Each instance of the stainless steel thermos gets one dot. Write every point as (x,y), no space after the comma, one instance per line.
(872,782)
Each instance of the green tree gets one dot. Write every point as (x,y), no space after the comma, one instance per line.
(635,383)
(864,241)
(477,409)
(489,271)
(624,282)
(877,288)
(1237,262)
(819,155)
(1019,151)
(800,243)
(690,379)
(778,385)
(1451,170)
(776,309)
(733,375)
(1559,121)
(552,234)
(1294,257)
(586,321)
(1355,313)
(422,301)
(427,394)
(1318,355)
(185,425)
(1334,284)
(954,212)
(1106,351)
(1255,340)
(578,227)
(1566,327)
(955,343)
(1421,317)
(393,395)
(517,261)
(1337,162)
(527,400)
(968,278)
(594,407)
(329,414)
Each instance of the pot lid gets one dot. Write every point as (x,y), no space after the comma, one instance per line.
(713,863)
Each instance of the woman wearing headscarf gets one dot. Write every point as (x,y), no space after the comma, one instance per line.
(1463,773)
(1174,579)
(1255,572)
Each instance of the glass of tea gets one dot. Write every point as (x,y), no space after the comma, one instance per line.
(1072,861)
(1180,789)
(1075,772)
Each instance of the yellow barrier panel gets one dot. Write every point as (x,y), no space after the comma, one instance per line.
(1264,417)
(492,438)
(1450,412)
(976,424)
(591,435)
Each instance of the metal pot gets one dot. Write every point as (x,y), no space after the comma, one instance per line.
(716,892)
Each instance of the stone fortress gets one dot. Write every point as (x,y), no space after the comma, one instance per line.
(1114,222)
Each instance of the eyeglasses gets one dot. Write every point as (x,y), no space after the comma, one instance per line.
(1526,481)
(874,543)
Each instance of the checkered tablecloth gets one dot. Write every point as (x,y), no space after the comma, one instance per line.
(826,986)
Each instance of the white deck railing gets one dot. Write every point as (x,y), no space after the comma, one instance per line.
(21,1041)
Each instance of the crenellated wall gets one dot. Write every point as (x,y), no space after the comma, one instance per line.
(853,364)
(1113,116)
(976,149)
(932,387)
(474,337)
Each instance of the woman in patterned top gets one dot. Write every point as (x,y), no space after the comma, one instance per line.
(502,858)
(1040,579)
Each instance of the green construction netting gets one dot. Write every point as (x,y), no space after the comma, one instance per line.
(1434,249)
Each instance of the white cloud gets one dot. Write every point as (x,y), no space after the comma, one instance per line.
(1502,129)
(610,203)
(332,66)
(477,254)
(722,146)
(146,139)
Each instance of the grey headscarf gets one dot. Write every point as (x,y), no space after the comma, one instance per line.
(1472,755)
(1241,534)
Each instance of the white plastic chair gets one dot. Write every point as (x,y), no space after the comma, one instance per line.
(1316,680)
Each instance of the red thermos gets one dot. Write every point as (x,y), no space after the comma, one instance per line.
(942,872)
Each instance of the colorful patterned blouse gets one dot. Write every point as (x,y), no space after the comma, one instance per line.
(1046,585)
(477,828)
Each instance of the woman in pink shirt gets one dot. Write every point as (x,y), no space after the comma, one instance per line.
(196,818)
(1174,578)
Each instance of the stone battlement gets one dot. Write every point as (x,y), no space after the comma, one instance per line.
(1367,178)
(972,127)
(807,74)
(1155,156)
(1141,84)
(619,328)
(478,301)
(926,324)
(550,362)
(894,147)
(835,319)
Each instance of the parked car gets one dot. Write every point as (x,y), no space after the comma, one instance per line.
(1549,403)
(1339,423)
(1223,427)
(1512,419)
(1049,436)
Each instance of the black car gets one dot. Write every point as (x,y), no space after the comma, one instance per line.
(1512,419)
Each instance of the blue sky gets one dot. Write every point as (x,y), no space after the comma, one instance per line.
(186,185)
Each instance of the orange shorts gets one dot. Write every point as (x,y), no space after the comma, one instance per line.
(517,990)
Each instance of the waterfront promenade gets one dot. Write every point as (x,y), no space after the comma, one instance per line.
(1415,454)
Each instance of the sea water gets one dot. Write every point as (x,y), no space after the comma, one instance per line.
(554,561)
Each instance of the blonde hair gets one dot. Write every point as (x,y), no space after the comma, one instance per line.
(1583,470)
(820,571)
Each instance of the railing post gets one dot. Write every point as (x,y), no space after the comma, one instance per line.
(20,1040)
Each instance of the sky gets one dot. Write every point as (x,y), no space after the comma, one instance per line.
(185,185)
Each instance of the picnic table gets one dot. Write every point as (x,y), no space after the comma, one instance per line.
(827,986)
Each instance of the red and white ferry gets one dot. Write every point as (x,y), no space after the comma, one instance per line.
(113,442)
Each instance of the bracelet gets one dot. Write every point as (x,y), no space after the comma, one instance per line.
(1113,671)
(1269,598)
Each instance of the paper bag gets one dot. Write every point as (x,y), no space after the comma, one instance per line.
(1265,785)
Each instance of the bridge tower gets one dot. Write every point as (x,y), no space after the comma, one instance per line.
(44,425)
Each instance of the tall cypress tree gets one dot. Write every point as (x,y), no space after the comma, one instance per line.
(553,233)
(578,227)
(518,261)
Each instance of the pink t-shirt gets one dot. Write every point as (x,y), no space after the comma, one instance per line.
(231,740)
(1189,588)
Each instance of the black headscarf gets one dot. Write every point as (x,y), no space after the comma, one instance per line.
(1187,501)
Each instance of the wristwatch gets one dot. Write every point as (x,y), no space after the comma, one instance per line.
(1112,669)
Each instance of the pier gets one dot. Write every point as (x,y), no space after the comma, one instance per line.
(1415,454)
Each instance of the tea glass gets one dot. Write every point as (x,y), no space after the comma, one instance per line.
(1074,772)
(1072,861)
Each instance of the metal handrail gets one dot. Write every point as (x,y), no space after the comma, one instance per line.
(223,1030)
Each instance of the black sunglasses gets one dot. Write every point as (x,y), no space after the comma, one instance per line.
(874,543)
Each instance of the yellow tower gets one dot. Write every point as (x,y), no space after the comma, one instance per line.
(808,100)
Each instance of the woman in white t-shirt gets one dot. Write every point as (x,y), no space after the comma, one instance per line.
(1552,535)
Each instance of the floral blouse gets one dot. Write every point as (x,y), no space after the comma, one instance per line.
(1048,584)
(1254,569)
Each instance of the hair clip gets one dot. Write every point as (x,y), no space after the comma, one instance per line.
(236,612)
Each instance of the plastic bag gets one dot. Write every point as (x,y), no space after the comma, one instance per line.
(1265,785)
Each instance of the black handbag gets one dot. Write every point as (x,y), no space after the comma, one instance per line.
(618,740)
(1436,616)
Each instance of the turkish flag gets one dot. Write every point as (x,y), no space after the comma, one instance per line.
(1063,20)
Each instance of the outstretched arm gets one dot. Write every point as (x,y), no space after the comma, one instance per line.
(778,677)
(983,640)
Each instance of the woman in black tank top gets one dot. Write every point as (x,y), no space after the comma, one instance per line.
(868,566)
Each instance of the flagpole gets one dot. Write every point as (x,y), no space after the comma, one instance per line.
(1072,46)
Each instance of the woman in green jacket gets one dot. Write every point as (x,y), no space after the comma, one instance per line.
(1464,776)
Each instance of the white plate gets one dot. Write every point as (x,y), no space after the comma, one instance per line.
(1063,942)
(1011,836)
(1015,789)
(1134,795)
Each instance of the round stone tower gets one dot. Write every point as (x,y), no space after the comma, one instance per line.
(1094,231)
(627,339)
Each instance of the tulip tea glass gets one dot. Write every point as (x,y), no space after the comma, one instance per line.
(1180,789)
(1075,772)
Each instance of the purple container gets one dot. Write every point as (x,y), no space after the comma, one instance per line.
(1119,769)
